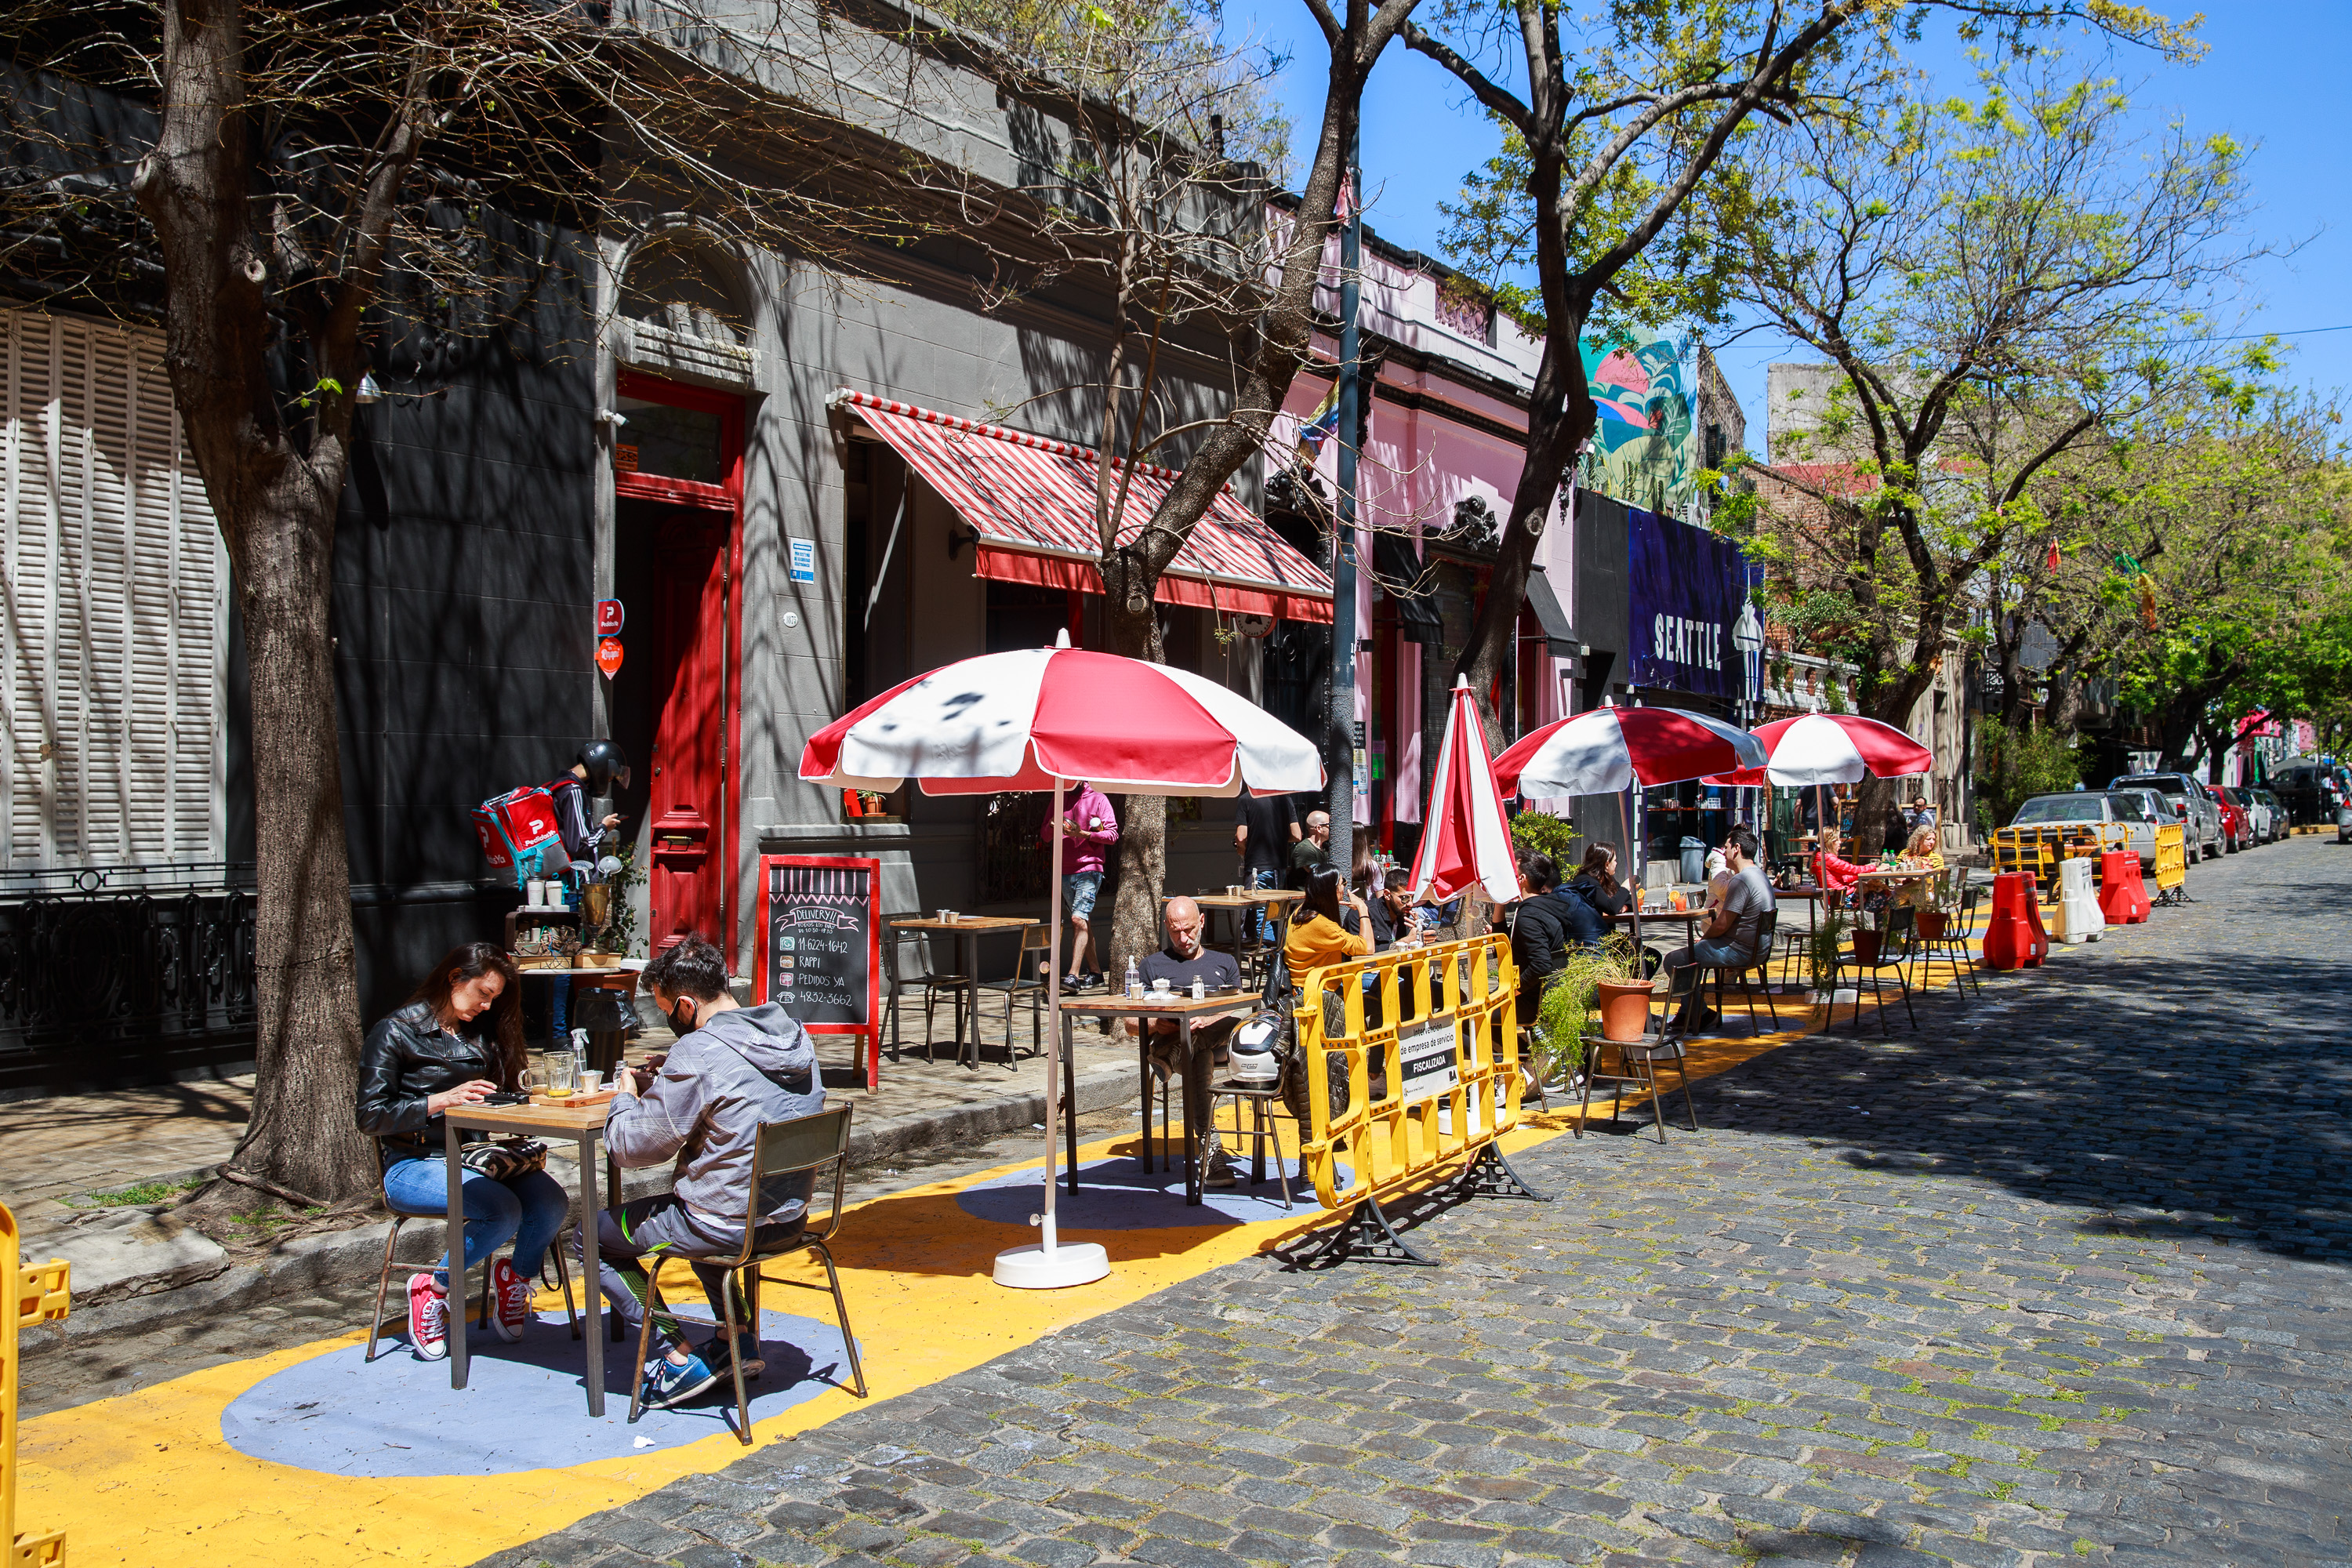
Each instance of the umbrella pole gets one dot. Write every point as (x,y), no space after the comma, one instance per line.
(1625,832)
(1050,1264)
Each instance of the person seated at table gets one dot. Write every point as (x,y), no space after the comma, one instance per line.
(1832,874)
(1539,930)
(1190,1049)
(732,1068)
(1393,910)
(1921,852)
(1596,880)
(455,1040)
(1329,927)
(1089,827)
(1733,931)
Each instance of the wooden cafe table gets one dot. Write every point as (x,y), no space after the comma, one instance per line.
(583,1127)
(968,929)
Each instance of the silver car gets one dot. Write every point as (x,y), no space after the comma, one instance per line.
(2188,802)
(2131,810)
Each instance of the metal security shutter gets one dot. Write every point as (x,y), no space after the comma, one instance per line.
(112,689)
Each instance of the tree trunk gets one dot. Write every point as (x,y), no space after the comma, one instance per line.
(274,496)
(303,1137)
(1132,619)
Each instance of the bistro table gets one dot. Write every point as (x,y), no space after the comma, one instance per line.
(968,929)
(560,1003)
(1175,1005)
(585,1128)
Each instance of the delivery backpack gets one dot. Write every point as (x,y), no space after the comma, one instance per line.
(515,829)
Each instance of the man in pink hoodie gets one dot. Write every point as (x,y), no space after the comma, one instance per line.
(1089,827)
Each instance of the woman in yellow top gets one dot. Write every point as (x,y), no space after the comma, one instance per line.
(1921,853)
(1319,935)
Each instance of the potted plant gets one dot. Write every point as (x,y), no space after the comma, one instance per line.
(1866,938)
(1823,955)
(1563,1021)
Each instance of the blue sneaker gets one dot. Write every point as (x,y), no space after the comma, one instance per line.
(668,1383)
(721,1356)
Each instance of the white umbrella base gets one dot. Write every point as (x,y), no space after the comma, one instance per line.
(1036,1268)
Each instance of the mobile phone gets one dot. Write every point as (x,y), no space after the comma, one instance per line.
(505,1097)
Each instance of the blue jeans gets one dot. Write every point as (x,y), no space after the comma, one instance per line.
(1263,878)
(1079,890)
(530,1209)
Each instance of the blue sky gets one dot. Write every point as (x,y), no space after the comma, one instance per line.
(2272,77)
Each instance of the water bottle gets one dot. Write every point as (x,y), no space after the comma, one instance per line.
(1134,981)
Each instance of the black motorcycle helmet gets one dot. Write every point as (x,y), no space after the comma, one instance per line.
(607,765)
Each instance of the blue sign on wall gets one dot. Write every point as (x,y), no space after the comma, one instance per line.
(1685,586)
(804,561)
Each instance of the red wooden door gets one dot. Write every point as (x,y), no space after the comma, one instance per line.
(687,798)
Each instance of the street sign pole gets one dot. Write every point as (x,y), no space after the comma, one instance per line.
(1345,742)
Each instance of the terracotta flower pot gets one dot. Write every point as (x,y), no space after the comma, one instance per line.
(1865,947)
(1931,925)
(1625,1009)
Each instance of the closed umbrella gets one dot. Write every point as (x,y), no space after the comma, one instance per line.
(1037,718)
(1465,842)
(1610,749)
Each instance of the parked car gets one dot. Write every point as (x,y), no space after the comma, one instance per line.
(2237,818)
(2130,809)
(2192,805)
(2313,792)
(2273,814)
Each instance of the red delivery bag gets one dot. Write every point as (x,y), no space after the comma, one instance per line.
(513,827)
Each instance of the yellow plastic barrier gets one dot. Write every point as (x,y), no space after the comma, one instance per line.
(2040,848)
(1448,1062)
(2171,864)
(39,1295)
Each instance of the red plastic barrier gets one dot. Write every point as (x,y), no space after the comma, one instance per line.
(2122,897)
(2013,938)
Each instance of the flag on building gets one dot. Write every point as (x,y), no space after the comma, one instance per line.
(1320,425)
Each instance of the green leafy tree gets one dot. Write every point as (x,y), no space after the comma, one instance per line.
(1996,281)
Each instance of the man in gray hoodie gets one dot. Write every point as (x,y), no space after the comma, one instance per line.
(732,1068)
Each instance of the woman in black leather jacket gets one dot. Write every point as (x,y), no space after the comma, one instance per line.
(457,1038)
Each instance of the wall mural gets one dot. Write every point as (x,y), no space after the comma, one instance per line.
(1646,445)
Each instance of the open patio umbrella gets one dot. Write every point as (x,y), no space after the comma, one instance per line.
(1831,749)
(1609,749)
(1466,843)
(1037,718)
(1816,751)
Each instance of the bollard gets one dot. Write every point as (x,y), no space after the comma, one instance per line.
(2013,937)
(35,1295)
(2123,899)
(2079,917)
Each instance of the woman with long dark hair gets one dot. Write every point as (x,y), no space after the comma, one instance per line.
(457,1038)
(1320,932)
(1596,879)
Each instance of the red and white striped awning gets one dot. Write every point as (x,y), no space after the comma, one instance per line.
(1033,502)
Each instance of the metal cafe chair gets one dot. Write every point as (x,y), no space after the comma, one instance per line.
(1760,963)
(901,975)
(1025,981)
(785,1149)
(1955,945)
(1898,946)
(1637,1060)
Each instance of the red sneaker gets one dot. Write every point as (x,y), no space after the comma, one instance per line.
(428,1318)
(511,1300)
(511,1311)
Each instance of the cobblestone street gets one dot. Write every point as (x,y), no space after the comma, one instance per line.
(2060,1276)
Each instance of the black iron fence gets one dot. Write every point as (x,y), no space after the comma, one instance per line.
(124,974)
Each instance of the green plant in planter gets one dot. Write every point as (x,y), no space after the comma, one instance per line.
(1828,942)
(1564,1017)
(1541,833)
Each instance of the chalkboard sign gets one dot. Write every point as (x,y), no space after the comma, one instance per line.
(821,946)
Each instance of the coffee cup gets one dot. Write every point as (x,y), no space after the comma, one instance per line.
(946,917)
(1160,986)
(591,1079)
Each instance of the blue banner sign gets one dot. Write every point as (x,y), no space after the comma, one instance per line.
(1686,585)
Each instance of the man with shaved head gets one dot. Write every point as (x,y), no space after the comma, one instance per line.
(1193,1048)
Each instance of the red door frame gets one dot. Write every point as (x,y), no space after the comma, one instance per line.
(724,496)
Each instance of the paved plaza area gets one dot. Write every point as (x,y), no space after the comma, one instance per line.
(2062,1276)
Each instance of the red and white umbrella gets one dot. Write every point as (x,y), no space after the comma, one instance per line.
(1037,718)
(1830,748)
(1466,843)
(1612,749)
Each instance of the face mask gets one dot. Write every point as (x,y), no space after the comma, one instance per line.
(681,1021)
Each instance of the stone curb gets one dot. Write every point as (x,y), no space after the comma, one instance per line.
(147,1273)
